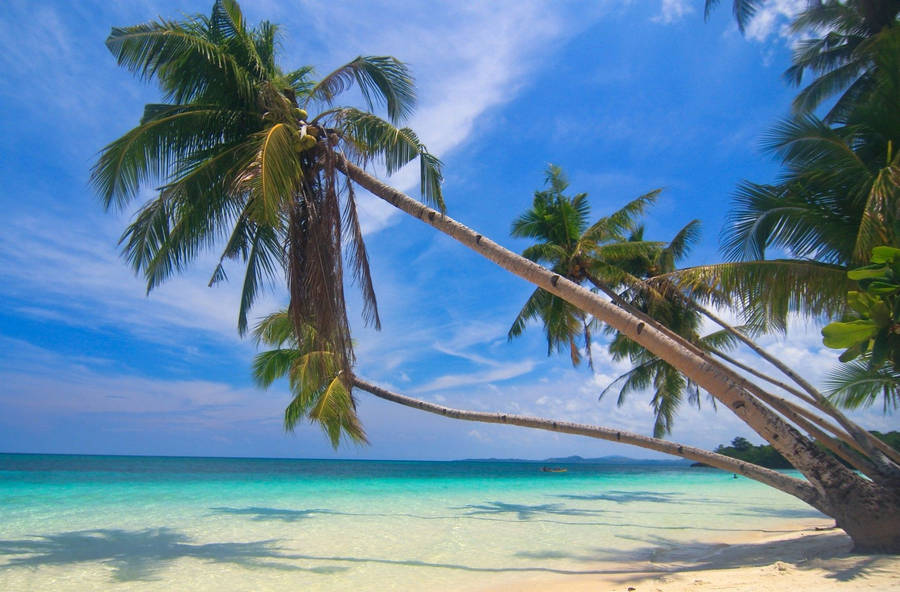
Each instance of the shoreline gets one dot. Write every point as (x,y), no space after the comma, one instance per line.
(813,556)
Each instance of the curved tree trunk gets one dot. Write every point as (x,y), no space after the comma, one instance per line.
(796,487)
(868,511)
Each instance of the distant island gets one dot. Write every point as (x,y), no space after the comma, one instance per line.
(765,455)
(580,460)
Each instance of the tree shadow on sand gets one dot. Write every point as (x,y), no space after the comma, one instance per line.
(524,511)
(781,512)
(260,514)
(624,497)
(660,555)
(139,555)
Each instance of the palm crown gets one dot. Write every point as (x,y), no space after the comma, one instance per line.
(568,245)
(612,256)
(242,164)
(842,39)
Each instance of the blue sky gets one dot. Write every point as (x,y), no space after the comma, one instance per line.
(625,96)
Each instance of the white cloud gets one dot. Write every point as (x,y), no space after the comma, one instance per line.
(467,59)
(500,372)
(772,18)
(672,11)
(72,273)
(47,383)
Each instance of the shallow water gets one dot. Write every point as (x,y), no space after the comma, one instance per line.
(147,523)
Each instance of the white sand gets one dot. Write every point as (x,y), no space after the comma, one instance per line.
(805,560)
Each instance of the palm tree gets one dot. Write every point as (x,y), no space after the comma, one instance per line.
(232,167)
(846,37)
(663,302)
(867,508)
(607,257)
(319,392)
(289,360)
(837,199)
(240,161)
(568,246)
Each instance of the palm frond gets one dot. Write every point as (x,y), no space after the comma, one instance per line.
(335,411)
(549,253)
(768,290)
(276,330)
(531,310)
(744,11)
(623,220)
(275,175)
(269,366)
(855,384)
(359,259)
(155,148)
(376,138)
(183,58)
(680,245)
(262,263)
(382,81)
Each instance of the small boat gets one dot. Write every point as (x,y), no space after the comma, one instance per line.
(553,470)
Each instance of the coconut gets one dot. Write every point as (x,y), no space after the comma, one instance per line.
(308,142)
(301,114)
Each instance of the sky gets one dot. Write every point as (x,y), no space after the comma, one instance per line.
(625,96)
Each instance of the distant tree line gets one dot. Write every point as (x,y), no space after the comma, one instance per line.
(765,455)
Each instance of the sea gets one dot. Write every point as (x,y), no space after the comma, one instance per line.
(220,524)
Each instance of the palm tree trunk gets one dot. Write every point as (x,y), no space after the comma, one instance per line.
(796,487)
(868,511)
(885,459)
(875,448)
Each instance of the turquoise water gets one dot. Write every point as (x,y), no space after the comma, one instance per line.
(147,523)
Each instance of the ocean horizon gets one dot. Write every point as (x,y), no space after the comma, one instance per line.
(75,522)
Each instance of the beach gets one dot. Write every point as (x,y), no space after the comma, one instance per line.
(817,559)
(142,523)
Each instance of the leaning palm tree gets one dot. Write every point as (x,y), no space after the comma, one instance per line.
(568,245)
(680,313)
(611,256)
(841,40)
(230,166)
(238,152)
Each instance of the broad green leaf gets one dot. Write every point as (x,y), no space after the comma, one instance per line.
(885,254)
(867,272)
(882,288)
(852,352)
(860,302)
(841,335)
(881,314)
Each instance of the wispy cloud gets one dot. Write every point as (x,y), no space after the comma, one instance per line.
(494,46)
(773,18)
(500,372)
(672,11)
(75,275)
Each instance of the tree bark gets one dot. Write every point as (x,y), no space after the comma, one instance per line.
(837,485)
(772,478)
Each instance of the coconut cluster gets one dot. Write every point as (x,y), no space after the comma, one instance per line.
(305,136)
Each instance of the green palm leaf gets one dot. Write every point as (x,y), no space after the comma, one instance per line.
(744,10)
(856,384)
(395,147)
(769,290)
(382,80)
(269,366)
(336,413)
(240,167)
